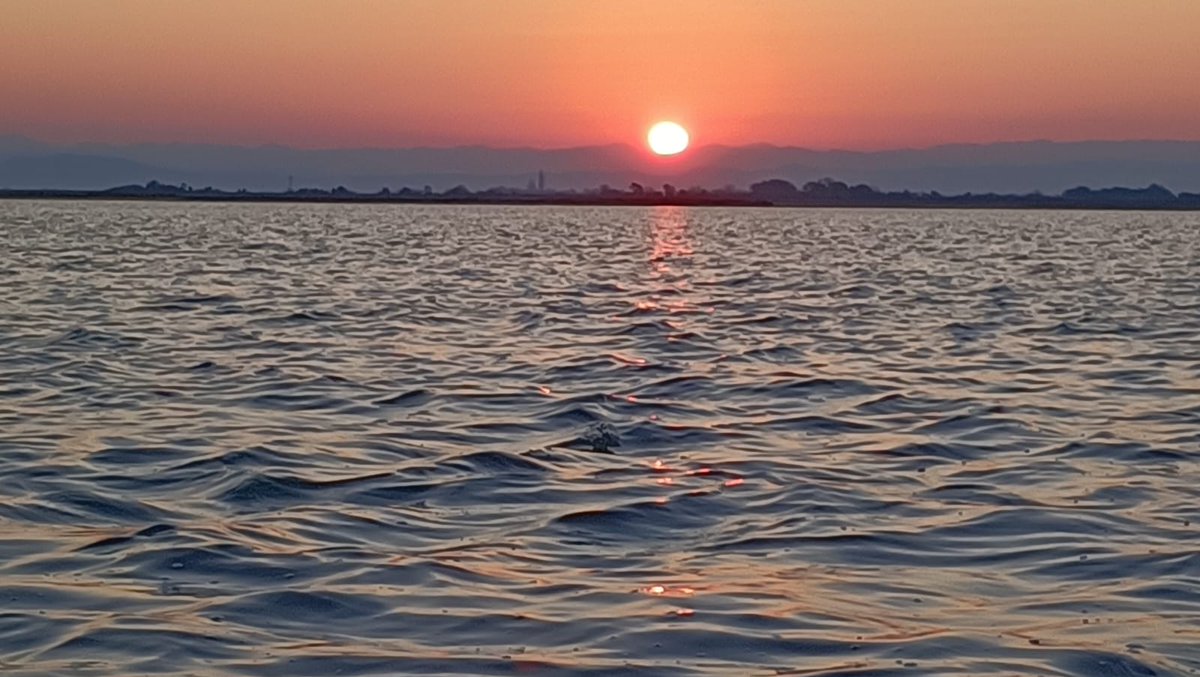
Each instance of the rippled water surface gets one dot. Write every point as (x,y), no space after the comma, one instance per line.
(316,440)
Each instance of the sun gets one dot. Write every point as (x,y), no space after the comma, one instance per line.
(667,138)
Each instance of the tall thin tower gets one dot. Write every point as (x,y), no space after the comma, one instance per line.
(541,181)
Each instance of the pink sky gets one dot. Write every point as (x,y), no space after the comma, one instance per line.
(861,74)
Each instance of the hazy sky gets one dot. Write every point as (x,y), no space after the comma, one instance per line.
(823,73)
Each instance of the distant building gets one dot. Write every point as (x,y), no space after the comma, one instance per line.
(541,181)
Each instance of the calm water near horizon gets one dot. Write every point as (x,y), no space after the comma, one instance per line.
(324,439)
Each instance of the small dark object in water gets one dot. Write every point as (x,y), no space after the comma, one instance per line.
(601,437)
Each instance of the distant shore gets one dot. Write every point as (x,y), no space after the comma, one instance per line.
(548,200)
(773,193)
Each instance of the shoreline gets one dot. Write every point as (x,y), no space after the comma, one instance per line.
(962,203)
(580,201)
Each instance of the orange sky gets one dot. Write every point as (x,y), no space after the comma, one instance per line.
(821,73)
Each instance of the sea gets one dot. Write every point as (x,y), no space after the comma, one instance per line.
(324,439)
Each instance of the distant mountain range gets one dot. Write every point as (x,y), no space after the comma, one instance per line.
(1024,167)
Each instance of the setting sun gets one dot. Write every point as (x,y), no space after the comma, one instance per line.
(667,138)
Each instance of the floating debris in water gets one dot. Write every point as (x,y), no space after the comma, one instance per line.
(601,437)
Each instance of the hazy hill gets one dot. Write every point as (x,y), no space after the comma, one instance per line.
(1008,167)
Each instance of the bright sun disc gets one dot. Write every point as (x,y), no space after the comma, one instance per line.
(667,138)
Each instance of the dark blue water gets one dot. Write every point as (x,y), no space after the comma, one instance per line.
(316,440)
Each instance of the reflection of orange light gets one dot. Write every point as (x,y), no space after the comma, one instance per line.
(665,480)
(737,481)
(659,590)
(670,236)
(544,390)
(631,398)
(704,471)
(661,500)
(625,359)
(685,612)
(659,466)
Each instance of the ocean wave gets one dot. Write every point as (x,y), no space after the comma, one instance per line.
(279,440)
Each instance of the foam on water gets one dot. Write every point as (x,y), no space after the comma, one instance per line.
(310,440)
